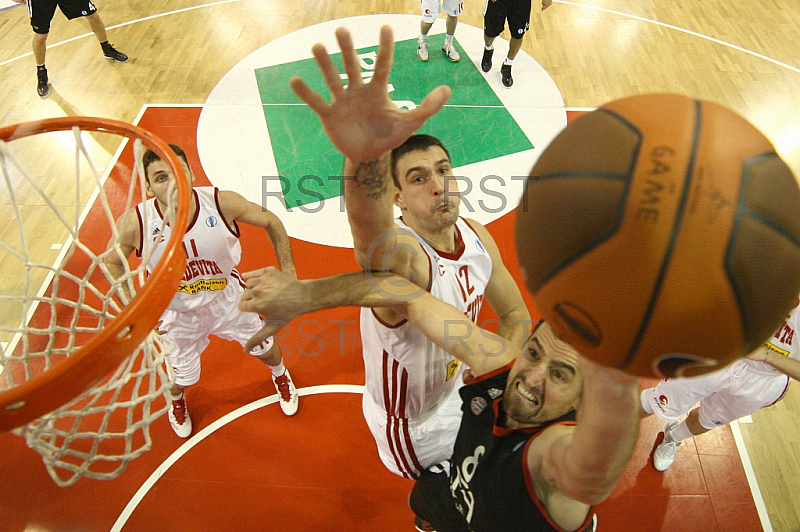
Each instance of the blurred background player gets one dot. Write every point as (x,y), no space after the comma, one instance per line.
(518,14)
(410,401)
(737,390)
(430,12)
(41,13)
(207,297)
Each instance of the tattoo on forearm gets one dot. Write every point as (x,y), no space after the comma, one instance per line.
(374,176)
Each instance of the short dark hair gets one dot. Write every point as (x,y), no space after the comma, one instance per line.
(150,157)
(414,143)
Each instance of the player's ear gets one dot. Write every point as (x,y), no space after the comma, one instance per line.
(398,198)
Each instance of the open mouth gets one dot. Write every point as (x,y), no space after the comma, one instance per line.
(534,399)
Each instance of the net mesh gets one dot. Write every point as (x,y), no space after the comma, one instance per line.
(51,308)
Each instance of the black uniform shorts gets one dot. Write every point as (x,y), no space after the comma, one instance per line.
(517,12)
(42,12)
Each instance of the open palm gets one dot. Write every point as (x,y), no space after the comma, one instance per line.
(361,120)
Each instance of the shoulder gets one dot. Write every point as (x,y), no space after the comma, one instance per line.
(492,377)
(231,204)
(480,230)
(129,226)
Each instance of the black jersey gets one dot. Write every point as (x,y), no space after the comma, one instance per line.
(488,487)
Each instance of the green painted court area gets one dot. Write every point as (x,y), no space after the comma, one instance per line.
(474,126)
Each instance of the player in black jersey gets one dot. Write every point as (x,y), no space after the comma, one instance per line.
(545,433)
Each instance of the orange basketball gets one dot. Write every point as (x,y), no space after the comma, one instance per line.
(661,235)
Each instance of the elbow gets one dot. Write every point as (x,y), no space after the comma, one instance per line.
(384,259)
(588,491)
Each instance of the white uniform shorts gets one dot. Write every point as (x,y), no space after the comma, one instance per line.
(408,447)
(189,331)
(735,391)
(432,8)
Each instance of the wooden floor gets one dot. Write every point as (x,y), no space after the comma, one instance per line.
(742,55)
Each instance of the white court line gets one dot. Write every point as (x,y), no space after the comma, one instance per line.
(7,61)
(682,30)
(209,430)
(751,477)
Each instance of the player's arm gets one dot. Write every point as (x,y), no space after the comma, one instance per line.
(447,327)
(118,250)
(235,207)
(784,364)
(369,200)
(574,467)
(503,294)
(281,297)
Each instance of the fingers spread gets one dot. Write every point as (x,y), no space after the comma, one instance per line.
(329,71)
(432,103)
(351,63)
(383,64)
(314,100)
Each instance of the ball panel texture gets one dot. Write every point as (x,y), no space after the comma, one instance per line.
(648,232)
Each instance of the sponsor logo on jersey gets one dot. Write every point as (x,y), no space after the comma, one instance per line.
(478,405)
(775,348)
(211,221)
(203,285)
(479,245)
(452,367)
(494,393)
(441,270)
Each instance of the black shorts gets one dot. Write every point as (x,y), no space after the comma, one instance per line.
(431,500)
(517,12)
(42,12)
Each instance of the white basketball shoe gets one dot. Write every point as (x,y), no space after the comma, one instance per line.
(664,454)
(179,417)
(287,393)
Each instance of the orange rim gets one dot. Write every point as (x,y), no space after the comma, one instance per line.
(86,367)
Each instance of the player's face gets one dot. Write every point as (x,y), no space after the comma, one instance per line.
(545,382)
(428,196)
(159,177)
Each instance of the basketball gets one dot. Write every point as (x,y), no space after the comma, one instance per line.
(660,235)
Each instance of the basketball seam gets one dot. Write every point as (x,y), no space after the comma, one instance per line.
(665,261)
(626,178)
(600,239)
(743,211)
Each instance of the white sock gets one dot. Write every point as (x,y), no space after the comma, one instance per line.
(176,397)
(448,39)
(278,370)
(423,36)
(490,47)
(508,61)
(680,433)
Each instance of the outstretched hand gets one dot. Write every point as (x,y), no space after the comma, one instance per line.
(361,120)
(274,294)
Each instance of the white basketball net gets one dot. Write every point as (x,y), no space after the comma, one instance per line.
(51,307)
